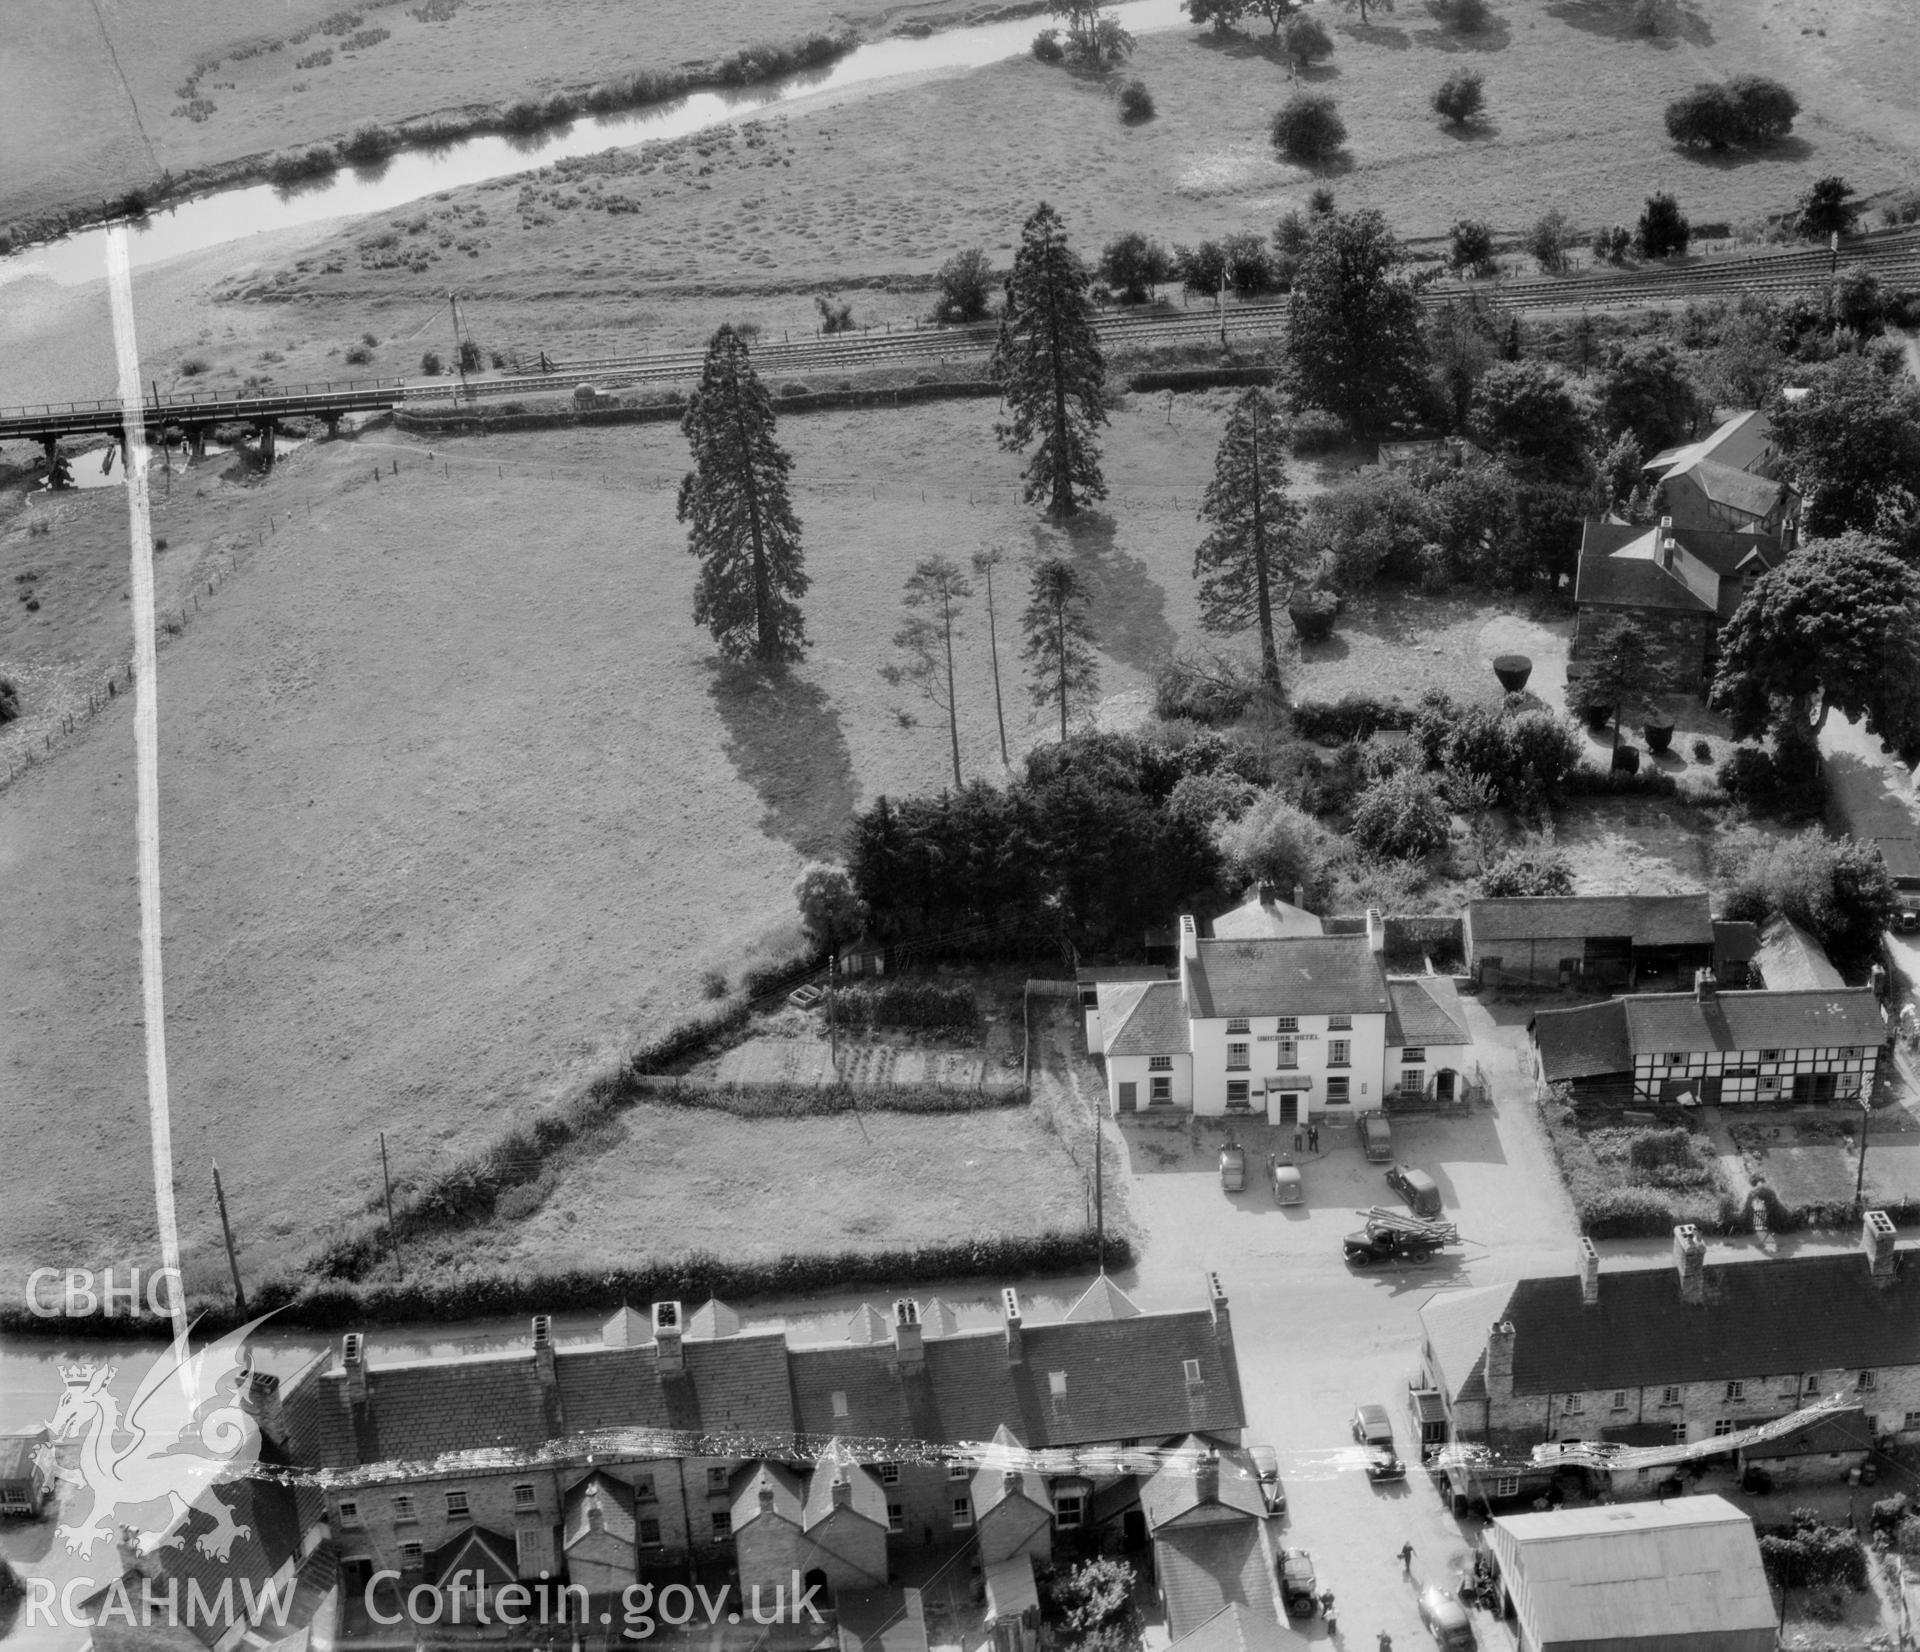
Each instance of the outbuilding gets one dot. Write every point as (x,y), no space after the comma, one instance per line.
(1679,1576)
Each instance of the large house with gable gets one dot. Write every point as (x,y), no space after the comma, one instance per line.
(1726,481)
(1289,1026)
(679,1442)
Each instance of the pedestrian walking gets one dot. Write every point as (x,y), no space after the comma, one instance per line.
(1313,1138)
(1406,1558)
(1299,1139)
(1386,1642)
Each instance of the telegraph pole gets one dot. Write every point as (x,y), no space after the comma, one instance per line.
(1860,1175)
(226,1232)
(393,1234)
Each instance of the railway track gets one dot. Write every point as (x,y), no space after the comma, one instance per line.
(1895,259)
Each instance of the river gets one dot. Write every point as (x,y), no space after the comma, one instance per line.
(234,215)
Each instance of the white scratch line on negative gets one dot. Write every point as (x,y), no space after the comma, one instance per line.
(146,742)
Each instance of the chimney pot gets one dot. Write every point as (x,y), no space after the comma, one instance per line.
(1206,1479)
(908,1332)
(1878,1239)
(1690,1259)
(842,1491)
(1589,1272)
(1705,986)
(1010,1307)
(669,1357)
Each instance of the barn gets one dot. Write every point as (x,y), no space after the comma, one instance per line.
(1679,1576)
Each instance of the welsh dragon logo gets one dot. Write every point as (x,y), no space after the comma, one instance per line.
(183,1434)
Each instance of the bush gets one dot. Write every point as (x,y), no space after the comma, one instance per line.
(1249,267)
(295,166)
(965,282)
(1749,109)
(369,142)
(1305,40)
(713,983)
(430,363)
(1662,1149)
(1662,229)
(1839,889)
(358,355)
(1548,239)
(1313,614)
(1535,869)
(1136,102)
(1462,16)
(1460,97)
(1702,752)
(1472,246)
(1766,108)
(835,317)
(920,1004)
(9,699)
(1047,47)
(1317,431)
(1352,717)
(1207,691)
(1401,817)
(1133,266)
(1627,1213)
(1202,269)
(1308,130)
(1277,842)
(1612,244)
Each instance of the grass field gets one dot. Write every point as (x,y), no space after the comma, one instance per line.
(891,180)
(455,802)
(74,129)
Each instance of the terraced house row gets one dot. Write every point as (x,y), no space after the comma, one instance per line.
(687,1443)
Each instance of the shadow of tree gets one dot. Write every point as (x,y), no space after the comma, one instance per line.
(1494,35)
(1617,21)
(1127,607)
(1790,148)
(1268,48)
(784,739)
(1378,34)
(1473,131)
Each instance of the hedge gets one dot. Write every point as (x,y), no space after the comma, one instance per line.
(689,1278)
(921,1004)
(1351,717)
(794,1101)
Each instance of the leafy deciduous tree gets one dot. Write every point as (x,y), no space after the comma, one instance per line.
(1059,648)
(1662,229)
(1049,364)
(1548,240)
(1829,207)
(1221,14)
(1834,627)
(1353,342)
(1852,447)
(742,527)
(1460,97)
(1644,388)
(1837,888)
(966,287)
(1401,816)
(1132,265)
(1471,246)
(1249,561)
(1534,420)
(831,910)
(1361,6)
(1304,39)
(1308,130)
(934,595)
(1615,673)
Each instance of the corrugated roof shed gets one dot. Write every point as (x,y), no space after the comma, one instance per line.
(1627,1571)
(1304,975)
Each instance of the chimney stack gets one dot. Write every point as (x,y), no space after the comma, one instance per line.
(1877,1240)
(1010,1307)
(766,1491)
(542,1334)
(1589,1272)
(1217,1305)
(1189,937)
(1666,543)
(668,1356)
(842,1490)
(1300,896)
(1013,1483)
(1690,1259)
(353,1355)
(907,1331)
(1705,987)
(1268,894)
(1499,1367)
(1376,931)
(1206,1478)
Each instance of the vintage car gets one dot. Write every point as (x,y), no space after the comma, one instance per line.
(1283,1176)
(1417,1188)
(1376,1136)
(1233,1167)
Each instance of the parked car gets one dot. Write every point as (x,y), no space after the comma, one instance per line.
(1372,1426)
(1446,1619)
(1266,1464)
(1384,1465)
(1299,1588)
(1283,1176)
(1417,1188)
(1233,1167)
(1376,1136)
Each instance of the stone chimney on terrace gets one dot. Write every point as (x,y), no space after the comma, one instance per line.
(1206,1478)
(668,1324)
(908,1348)
(353,1358)
(842,1490)
(1667,543)
(1877,1240)
(1690,1261)
(1189,938)
(1010,1307)
(1376,931)
(1499,1366)
(1217,1305)
(542,1334)
(1589,1272)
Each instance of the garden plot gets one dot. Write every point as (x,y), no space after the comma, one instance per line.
(794,1061)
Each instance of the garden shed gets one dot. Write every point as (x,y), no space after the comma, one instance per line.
(1680,1576)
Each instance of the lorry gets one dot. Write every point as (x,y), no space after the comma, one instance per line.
(1390,1236)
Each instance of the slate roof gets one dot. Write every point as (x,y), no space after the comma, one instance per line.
(959,1391)
(1126,1379)
(1143,1018)
(1659,1572)
(1235,1629)
(864,1491)
(1844,1017)
(1173,1489)
(1455,1326)
(1627,581)
(1426,1010)
(1831,1431)
(1103,1300)
(1255,919)
(1305,975)
(476,1549)
(1765,1318)
(16,1456)
(613,1498)
(1790,959)
(1648,920)
(993,1486)
(1737,489)
(1740,443)
(1588,1042)
(1735,942)
(423,1409)
(1205,1569)
(789,1494)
